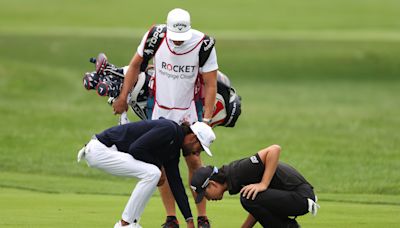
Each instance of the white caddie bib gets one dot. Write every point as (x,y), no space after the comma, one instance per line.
(176,75)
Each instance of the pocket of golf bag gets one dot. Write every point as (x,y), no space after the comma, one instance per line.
(150,107)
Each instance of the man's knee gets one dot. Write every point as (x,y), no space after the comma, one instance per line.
(247,204)
(153,174)
(243,201)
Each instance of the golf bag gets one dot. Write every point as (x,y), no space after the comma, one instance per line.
(107,80)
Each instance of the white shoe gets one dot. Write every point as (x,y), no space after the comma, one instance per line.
(132,225)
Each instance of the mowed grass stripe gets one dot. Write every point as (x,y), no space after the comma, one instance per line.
(118,186)
(137,33)
(72,210)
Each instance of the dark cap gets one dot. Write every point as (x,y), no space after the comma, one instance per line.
(201,179)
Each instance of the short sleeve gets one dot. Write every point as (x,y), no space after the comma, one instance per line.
(211,63)
(141,45)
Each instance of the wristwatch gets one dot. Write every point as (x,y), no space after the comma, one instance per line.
(189,219)
(207,120)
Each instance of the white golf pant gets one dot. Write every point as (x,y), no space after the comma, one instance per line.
(112,161)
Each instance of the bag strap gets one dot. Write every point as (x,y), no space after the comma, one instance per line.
(152,43)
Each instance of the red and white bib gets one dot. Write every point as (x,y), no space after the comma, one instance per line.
(176,70)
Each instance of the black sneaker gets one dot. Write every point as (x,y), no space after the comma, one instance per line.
(171,222)
(292,223)
(202,222)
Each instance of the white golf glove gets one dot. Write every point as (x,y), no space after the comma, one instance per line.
(81,154)
(123,118)
(313,206)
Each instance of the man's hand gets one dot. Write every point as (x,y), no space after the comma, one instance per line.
(251,190)
(131,76)
(190,223)
(120,106)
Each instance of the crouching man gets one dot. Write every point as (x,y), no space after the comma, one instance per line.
(271,191)
(141,150)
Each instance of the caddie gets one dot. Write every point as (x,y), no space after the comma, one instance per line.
(182,58)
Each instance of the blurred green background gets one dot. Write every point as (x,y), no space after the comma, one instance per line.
(318,77)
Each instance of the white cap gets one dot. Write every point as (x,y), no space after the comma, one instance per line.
(178,25)
(204,134)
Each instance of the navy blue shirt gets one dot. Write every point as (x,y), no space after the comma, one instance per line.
(156,142)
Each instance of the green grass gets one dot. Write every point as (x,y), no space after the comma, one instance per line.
(324,126)
(83,210)
(318,77)
(215,15)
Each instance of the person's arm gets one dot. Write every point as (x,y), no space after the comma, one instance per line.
(190,223)
(210,87)
(120,105)
(209,72)
(270,158)
(178,189)
(249,222)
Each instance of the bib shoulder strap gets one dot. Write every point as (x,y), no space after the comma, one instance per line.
(205,49)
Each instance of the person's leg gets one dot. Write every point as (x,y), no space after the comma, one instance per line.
(118,163)
(168,198)
(272,207)
(143,191)
(261,214)
(193,163)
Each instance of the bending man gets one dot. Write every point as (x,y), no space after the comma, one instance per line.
(270,190)
(141,150)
